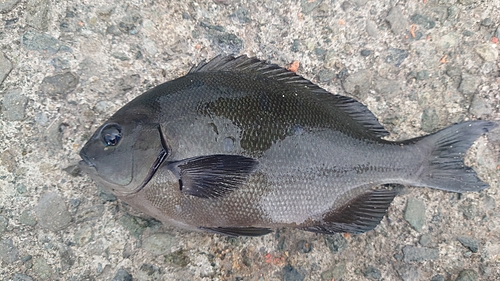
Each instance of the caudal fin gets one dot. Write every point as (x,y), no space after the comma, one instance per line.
(446,169)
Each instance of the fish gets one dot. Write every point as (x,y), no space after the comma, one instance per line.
(240,147)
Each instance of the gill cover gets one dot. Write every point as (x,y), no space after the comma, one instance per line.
(124,153)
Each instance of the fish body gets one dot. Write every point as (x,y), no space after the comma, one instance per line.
(240,147)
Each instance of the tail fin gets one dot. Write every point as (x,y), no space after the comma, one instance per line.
(446,169)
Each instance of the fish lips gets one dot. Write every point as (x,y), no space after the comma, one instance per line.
(86,165)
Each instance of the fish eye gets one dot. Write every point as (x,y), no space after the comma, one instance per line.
(111,134)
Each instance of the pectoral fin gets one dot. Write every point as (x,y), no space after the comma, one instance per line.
(213,175)
(359,215)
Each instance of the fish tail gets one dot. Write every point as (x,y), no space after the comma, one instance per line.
(445,169)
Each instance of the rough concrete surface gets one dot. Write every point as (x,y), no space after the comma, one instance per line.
(66,66)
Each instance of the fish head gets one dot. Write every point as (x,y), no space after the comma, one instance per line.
(124,153)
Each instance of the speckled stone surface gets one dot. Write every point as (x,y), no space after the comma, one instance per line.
(66,66)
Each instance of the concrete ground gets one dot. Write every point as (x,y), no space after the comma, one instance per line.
(66,66)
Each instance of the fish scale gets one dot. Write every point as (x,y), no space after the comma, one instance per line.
(240,147)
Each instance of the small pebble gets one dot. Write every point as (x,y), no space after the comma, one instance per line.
(396,56)
(37,14)
(14,105)
(295,45)
(487,51)
(415,213)
(40,42)
(486,22)
(27,218)
(122,275)
(337,272)
(366,52)
(326,75)
(8,251)
(419,254)
(423,21)
(371,28)
(22,277)
(422,75)
(67,258)
(304,246)
(52,212)
(469,242)
(397,20)
(480,107)
(372,273)
(425,239)
(136,225)
(289,273)
(59,85)
(358,83)
(42,269)
(42,118)
(469,84)
(409,273)
(131,23)
(159,243)
(178,258)
(469,211)
(84,236)
(489,203)
(7,5)
(5,67)
(430,120)
(3,225)
(467,275)
(113,30)
(308,6)
(437,278)
(336,243)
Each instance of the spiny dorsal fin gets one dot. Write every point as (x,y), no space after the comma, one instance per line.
(243,64)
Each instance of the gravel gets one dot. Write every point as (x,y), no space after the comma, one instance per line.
(122,275)
(469,242)
(8,251)
(467,275)
(14,105)
(289,273)
(59,85)
(415,213)
(5,67)
(52,212)
(65,67)
(419,254)
(41,42)
(397,20)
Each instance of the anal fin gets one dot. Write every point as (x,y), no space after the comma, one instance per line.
(359,215)
(239,231)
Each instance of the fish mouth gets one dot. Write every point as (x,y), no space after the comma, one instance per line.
(85,160)
(86,164)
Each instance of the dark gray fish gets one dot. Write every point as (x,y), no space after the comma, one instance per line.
(239,147)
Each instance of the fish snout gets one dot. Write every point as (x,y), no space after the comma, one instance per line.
(85,160)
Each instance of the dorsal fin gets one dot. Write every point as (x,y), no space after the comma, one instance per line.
(243,64)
